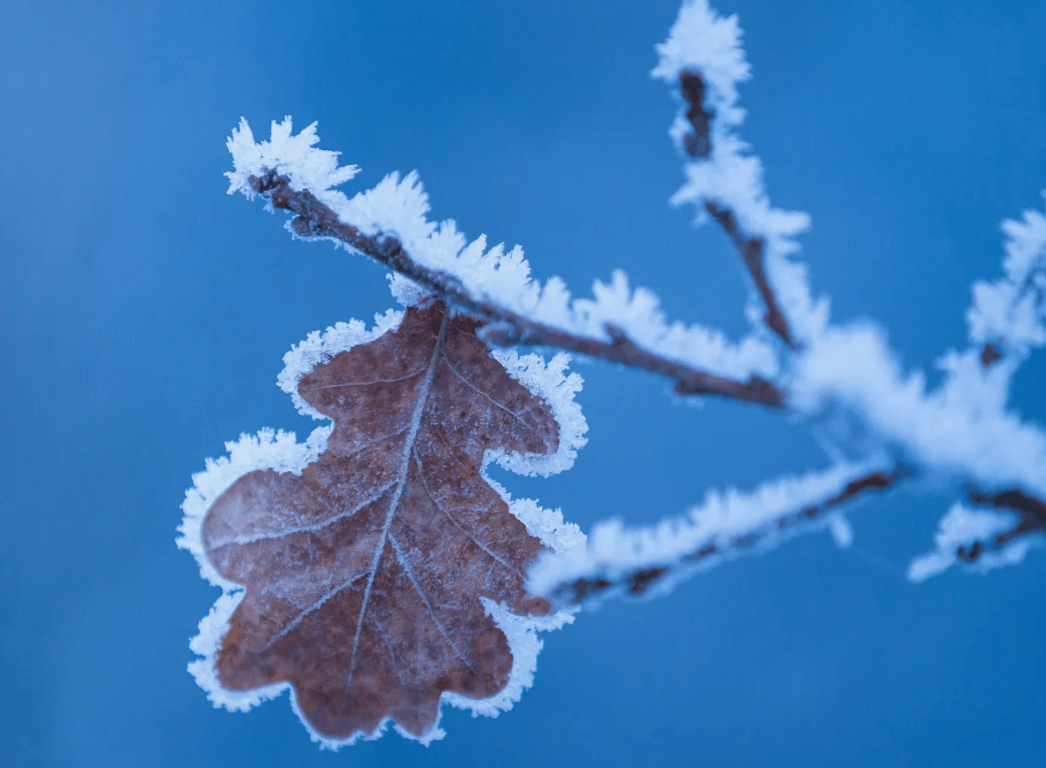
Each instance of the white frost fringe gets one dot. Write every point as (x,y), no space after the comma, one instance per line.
(280,451)
(614,551)
(963,526)
(399,207)
(1011,311)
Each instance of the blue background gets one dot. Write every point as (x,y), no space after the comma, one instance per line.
(143,316)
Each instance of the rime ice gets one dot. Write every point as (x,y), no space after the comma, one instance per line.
(844,380)
(399,207)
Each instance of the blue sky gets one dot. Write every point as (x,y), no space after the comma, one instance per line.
(144,314)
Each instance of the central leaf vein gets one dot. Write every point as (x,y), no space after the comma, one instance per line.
(401,481)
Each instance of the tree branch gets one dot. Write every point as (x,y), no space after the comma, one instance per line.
(698,145)
(637,582)
(752,250)
(504,327)
(1031,518)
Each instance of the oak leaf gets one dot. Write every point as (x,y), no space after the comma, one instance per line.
(362,574)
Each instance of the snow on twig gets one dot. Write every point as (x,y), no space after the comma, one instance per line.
(624,318)
(618,560)
(984,540)
(389,224)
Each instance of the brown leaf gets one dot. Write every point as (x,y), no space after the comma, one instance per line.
(363,575)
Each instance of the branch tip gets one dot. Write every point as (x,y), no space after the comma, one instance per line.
(698,145)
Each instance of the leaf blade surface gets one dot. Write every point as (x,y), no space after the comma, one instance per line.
(363,575)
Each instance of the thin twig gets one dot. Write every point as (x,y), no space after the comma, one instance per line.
(638,582)
(698,145)
(693,89)
(752,250)
(1031,518)
(504,327)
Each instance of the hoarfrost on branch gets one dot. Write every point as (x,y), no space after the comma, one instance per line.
(960,433)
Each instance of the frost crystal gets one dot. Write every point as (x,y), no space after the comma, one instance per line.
(1010,312)
(399,207)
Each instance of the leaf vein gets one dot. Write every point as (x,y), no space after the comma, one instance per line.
(408,447)
(405,377)
(312,609)
(480,392)
(460,527)
(243,540)
(401,557)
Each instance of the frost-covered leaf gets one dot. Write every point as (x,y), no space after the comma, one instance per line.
(386,571)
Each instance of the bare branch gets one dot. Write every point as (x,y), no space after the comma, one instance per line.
(752,250)
(621,349)
(504,327)
(637,582)
(698,145)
